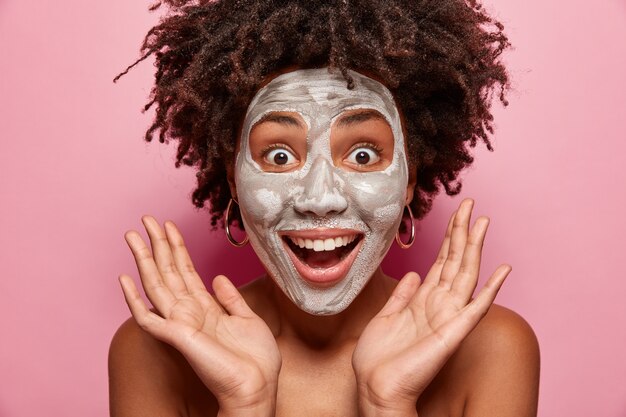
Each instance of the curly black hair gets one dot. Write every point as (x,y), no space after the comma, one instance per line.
(439,58)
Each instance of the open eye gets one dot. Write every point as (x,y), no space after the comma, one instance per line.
(279,156)
(363,155)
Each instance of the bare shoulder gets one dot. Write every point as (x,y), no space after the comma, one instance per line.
(148,377)
(502,332)
(494,373)
(500,366)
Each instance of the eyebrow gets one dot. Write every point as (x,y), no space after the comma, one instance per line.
(360,117)
(282,119)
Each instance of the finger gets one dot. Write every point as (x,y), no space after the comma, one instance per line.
(163,257)
(146,319)
(186,269)
(434,274)
(480,305)
(182,259)
(230,298)
(401,295)
(465,282)
(458,239)
(157,292)
(452,333)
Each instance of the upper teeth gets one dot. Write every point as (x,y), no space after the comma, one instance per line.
(319,245)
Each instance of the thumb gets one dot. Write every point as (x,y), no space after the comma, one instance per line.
(230,298)
(402,294)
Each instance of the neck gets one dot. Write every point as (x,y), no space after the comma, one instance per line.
(332,330)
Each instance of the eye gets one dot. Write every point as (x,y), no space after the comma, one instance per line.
(363,155)
(279,156)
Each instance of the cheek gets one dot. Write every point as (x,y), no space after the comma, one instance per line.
(378,197)
(265,205)
(389,213)
(261,196)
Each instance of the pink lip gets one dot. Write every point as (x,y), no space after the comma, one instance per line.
(323,277)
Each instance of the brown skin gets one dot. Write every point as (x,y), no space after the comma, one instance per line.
(495,371)
(492,372)
(397,349)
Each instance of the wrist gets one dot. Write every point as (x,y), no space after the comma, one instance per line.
(256,410)
(372,409)
(259,404)
(378,403)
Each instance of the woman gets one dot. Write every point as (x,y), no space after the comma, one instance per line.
(324,123)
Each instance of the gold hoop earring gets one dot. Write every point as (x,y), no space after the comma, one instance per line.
(412,236)
(227,227)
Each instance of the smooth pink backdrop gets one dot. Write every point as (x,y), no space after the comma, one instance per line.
(75,174)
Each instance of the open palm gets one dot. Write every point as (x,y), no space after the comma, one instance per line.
(422,325)
(230,348)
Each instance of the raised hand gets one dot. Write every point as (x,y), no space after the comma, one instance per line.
(230,348)
(422,325)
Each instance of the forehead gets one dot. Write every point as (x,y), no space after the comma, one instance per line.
(317,92)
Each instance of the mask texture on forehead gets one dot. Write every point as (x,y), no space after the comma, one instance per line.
(319,194)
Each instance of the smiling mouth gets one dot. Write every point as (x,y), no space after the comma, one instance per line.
(324,259)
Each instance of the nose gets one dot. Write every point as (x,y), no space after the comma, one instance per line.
(320,196)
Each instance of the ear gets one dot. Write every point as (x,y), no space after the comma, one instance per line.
(230,176)
(410,187)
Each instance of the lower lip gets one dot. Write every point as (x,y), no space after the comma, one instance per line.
(324,277)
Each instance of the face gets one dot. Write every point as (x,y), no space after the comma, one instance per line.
(321,178)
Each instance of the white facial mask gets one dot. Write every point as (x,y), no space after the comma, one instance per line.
(320,195)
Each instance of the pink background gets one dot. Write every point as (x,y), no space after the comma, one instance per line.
(75,174)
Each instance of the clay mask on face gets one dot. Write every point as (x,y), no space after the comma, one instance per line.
(320,230)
